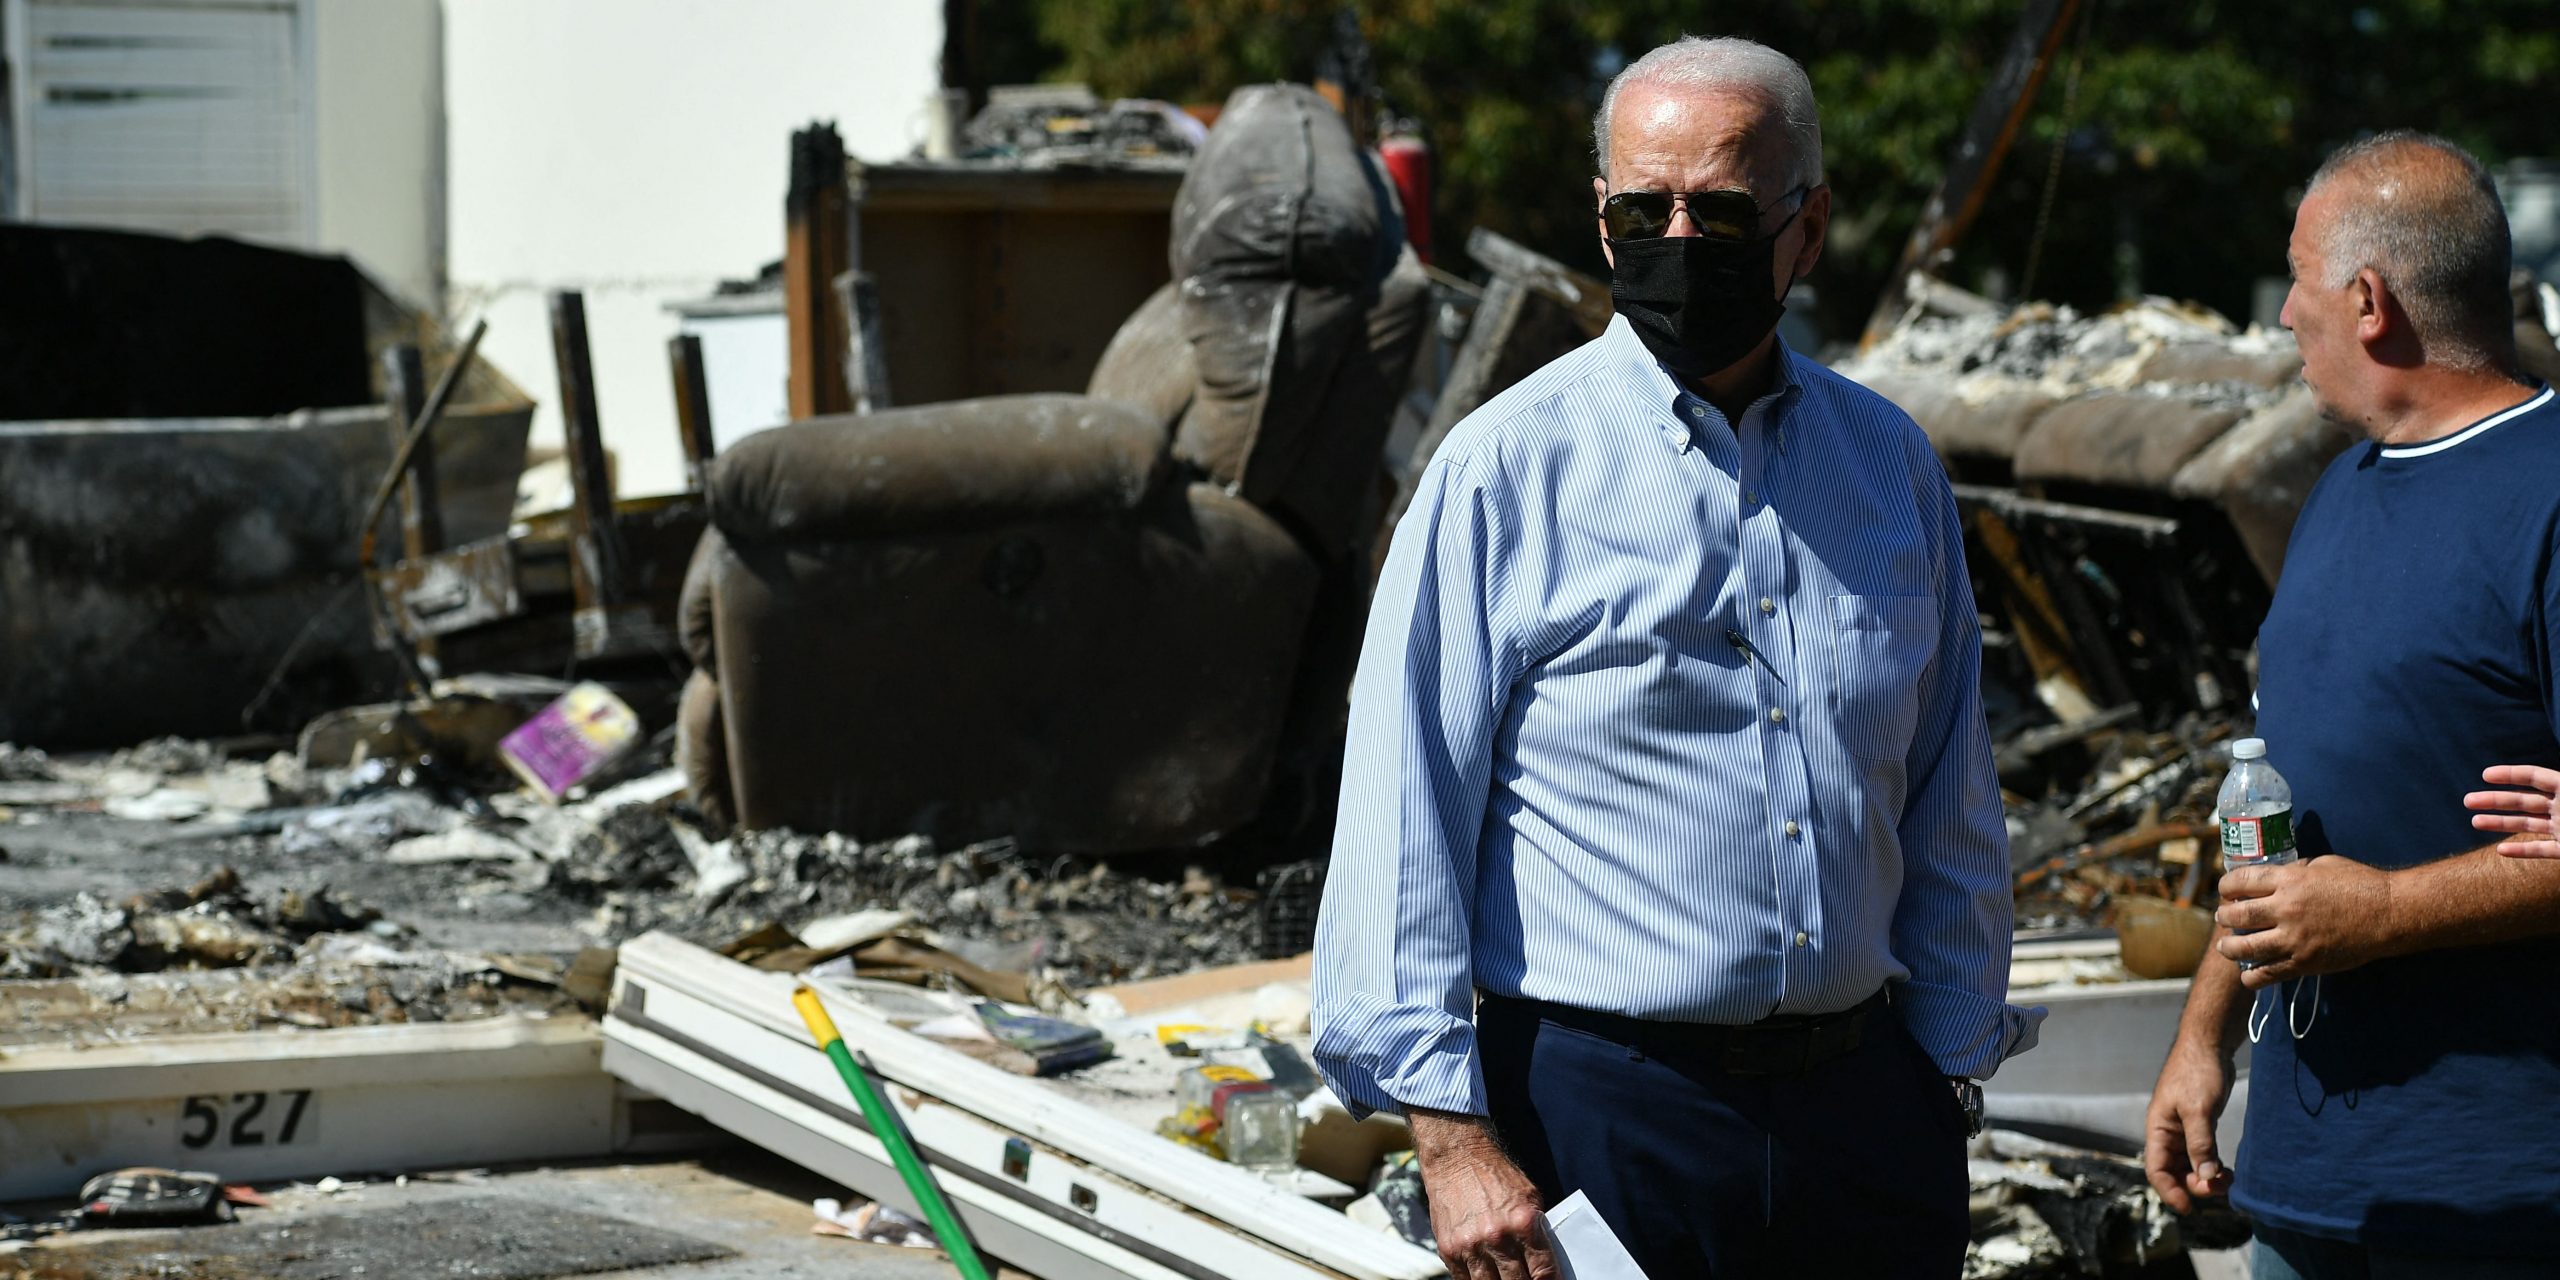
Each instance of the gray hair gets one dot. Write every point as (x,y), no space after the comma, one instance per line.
(1730,63)
(2427,219)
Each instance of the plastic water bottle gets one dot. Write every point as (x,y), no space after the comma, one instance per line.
(2256,812)
(2255,809)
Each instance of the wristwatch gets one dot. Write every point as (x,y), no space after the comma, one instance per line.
(1969,1097)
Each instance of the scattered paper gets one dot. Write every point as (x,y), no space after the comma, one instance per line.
(844,932)
(460,844)
(165,805)
(877,1223)
(1585,1247)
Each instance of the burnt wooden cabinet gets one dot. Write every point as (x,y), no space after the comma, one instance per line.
(994,279)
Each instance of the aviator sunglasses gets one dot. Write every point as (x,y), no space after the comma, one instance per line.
(1728,215)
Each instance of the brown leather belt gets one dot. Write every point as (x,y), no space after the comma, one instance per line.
(1788,1044)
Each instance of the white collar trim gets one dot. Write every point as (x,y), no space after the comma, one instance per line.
(2470,432)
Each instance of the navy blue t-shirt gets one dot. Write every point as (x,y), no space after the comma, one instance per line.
(2411,643)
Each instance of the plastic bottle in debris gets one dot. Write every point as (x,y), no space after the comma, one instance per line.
(2255,810)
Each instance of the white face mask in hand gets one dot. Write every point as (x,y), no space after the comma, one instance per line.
(2260,1011)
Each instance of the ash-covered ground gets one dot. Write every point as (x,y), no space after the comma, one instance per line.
(270,894)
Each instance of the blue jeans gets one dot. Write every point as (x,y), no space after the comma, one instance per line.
(2291,1255)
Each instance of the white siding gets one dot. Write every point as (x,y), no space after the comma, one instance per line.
(181,116)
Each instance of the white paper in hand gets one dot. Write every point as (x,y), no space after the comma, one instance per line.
(1585,1247)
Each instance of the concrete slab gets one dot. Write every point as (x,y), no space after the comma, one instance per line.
(489,1237)
(749,1204)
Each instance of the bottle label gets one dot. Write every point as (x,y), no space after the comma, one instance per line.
(2248,840)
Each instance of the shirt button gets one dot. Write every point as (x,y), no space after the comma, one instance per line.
(1750,497)
(1801,939)
(1768,605)
(1696,412)
(1793,831)
(1777,715)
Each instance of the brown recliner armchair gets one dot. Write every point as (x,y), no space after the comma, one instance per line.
(1119,621)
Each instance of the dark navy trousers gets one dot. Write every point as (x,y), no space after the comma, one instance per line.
(1853,1169)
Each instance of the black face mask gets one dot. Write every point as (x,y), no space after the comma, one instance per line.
(1698,304)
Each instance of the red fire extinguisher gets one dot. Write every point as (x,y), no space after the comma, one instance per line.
(1408,161)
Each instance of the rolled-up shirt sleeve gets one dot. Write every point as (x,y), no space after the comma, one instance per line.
(1394,978)
(1951,927)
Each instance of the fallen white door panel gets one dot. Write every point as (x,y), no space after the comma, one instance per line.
(784,1119)
(291,1104)
(1180,1211)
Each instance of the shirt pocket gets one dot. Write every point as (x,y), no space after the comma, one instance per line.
(1879,647)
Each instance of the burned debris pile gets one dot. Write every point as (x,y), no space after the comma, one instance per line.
(596,871)
(2126,482)
(221,956)
(213,924)
(1074,920)
(24,764)
(2044,1211)
(1067,125)
(346,981)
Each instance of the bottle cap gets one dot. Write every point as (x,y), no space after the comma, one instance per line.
(2249,749)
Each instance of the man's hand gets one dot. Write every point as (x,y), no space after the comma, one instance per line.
(2177,1143)
(2317,916)
(1484,1212)
(2524,814)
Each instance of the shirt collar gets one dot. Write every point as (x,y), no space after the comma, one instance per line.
(1655,385)
(2441,443)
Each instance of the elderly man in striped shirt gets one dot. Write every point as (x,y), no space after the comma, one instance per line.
(1670,866)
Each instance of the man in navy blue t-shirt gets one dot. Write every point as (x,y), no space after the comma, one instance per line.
(2404,1102)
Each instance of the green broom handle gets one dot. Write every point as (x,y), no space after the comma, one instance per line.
(875,1109)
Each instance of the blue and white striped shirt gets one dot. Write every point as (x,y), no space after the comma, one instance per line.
(1670,719)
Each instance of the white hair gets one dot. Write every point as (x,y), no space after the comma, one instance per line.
(1730,63)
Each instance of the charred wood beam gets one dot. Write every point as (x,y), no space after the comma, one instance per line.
(2028,605)
(817,247)
(867,366)
(411,442)
(1523,281)
(596,561)
(2091,638)
(2022,750)
(1997,116)
(2141,839)
(414,437)
(693,407)
(404,382)
(1587,298)
(962,67)
(2014,507)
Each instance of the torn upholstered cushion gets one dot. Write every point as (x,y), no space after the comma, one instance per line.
(1280,191)
(1278,249)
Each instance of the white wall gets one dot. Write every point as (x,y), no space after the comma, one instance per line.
(639,150)
(748,357)
(378,125)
